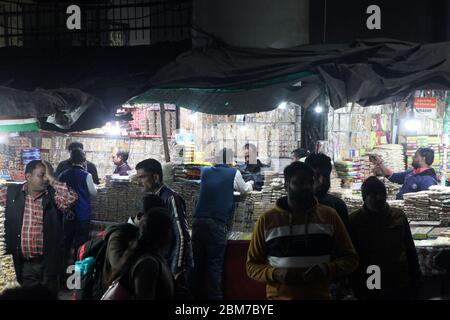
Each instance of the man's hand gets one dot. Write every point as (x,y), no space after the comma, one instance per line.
(289,276)
(180,277)
(380,169)
(299,276)
(48,172)
(315,273)
(375,159)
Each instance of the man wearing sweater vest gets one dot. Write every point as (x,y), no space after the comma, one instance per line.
(78,219)
(299,246)
(212,216)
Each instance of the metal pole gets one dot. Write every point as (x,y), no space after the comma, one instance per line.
(444,165)
(298,125)
(164,131)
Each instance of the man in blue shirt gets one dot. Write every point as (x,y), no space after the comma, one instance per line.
(420,178)
(214,212)
(77,219)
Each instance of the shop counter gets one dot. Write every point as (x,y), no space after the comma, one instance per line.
(237,285)
(434,262)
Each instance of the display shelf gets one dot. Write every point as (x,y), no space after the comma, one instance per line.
(420,135)
(232,123)
(48,134)
(215,140)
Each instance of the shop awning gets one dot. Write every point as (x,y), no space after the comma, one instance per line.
(80,88)
(16,125)
(231,80)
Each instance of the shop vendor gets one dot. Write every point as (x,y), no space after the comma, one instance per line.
(120,158)
(251,169)
(420,178)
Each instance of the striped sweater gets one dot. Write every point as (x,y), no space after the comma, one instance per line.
(282,239)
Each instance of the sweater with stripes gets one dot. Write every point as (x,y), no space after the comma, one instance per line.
(285,239)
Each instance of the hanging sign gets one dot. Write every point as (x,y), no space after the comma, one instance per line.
(182,138)
(426,106)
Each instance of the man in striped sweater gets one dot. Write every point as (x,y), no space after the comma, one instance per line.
(299,246)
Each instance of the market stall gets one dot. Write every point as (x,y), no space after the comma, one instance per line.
(354,134)
(141,137)
(394,132)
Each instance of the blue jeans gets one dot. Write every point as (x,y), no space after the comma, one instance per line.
(209,242)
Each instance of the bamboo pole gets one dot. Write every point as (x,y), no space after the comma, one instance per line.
(164,132)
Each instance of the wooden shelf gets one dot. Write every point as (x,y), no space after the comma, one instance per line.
(49,134)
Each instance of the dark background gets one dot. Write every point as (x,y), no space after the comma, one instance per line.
(416,21)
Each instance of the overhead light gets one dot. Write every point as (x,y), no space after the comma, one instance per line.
(4,138)
(318,109)
(193,116)
(112,129)
(282,105)
(412,124)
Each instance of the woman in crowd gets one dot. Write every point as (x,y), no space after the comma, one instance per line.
(143,269)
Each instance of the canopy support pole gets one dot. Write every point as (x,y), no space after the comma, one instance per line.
(164,132)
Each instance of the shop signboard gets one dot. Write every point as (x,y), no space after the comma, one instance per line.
(426,106)
(182,138)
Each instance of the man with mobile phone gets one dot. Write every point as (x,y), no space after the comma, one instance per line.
(299,246)
(421,177)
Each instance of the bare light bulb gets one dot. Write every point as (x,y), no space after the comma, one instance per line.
(282,105)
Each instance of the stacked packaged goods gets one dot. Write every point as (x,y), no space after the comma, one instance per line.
(368,167)
(272,132)
(8,277)
(187,171)
(417,205)
(146,120)
(394,158)
(440,204)
(391,188)
(353,201)
(109,204)
(2,231)
(399,204)
(350,172)
(391,154)
(7,272)
(433,142)
(256,203)
(4,156)
(249,211)
(15,163)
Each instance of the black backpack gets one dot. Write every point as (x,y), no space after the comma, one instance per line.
(91,282)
